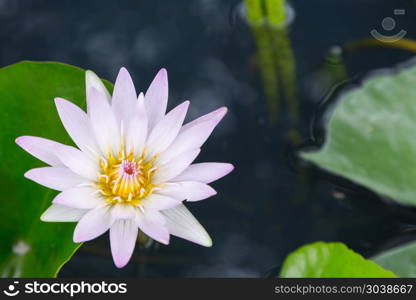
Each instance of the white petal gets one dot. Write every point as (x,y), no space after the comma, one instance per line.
(205,172)
(79,197)
(137,130)
(157,98)
(78,162)
(174,167)
(124,96)
(59,213)
(159,202)
(123,212)
(189,190)
(194,134)
(166,130)
(183,224)
(77,124)
(152,223)
(103,123)
(92,80)
(40,148)
(57,178)
(93,224)
(123,235)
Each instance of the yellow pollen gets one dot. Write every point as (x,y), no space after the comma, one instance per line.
(125,179)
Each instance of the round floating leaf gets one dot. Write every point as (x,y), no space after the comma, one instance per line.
(330,260)
(371,136)
(29,247)
(401,260)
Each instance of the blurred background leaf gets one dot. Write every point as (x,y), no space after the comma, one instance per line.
(371,136)
(29,247)
(330,260)
(401,260)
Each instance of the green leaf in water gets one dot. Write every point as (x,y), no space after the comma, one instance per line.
(401,260)
(330,260)
(29,247)
(371,136)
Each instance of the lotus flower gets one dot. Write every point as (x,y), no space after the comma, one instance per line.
(132,169)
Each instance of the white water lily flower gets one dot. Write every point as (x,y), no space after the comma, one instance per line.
(132,168)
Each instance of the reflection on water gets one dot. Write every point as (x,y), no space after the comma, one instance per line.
(273,202)
(238,257)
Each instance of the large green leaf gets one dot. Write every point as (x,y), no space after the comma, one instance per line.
(371,136)
(330,260)
(401,260)
(27,92)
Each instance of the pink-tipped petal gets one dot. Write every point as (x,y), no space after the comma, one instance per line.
(214,116)
(174,167)
(93,224)
(205,172)
(166,130)
(40,148)
(103,123)
(182,223)
(77,124)
(157,98)
(79,197)
(189,190)
(93,81)
(124,96)
(194,134)
(78,162)
(56,178)
(159,202)
(123,235)
(137,130)
(153,224)
(59,213)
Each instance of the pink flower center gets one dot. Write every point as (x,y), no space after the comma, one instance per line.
(129,167)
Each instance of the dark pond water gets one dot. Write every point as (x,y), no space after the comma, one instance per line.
(273,202)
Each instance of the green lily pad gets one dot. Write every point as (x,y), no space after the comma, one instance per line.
(371,136)
(330,260)
(29,247)
(401,260)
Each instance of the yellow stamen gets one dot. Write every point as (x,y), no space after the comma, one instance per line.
(126,178)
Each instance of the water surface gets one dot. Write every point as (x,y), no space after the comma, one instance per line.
(273,202)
